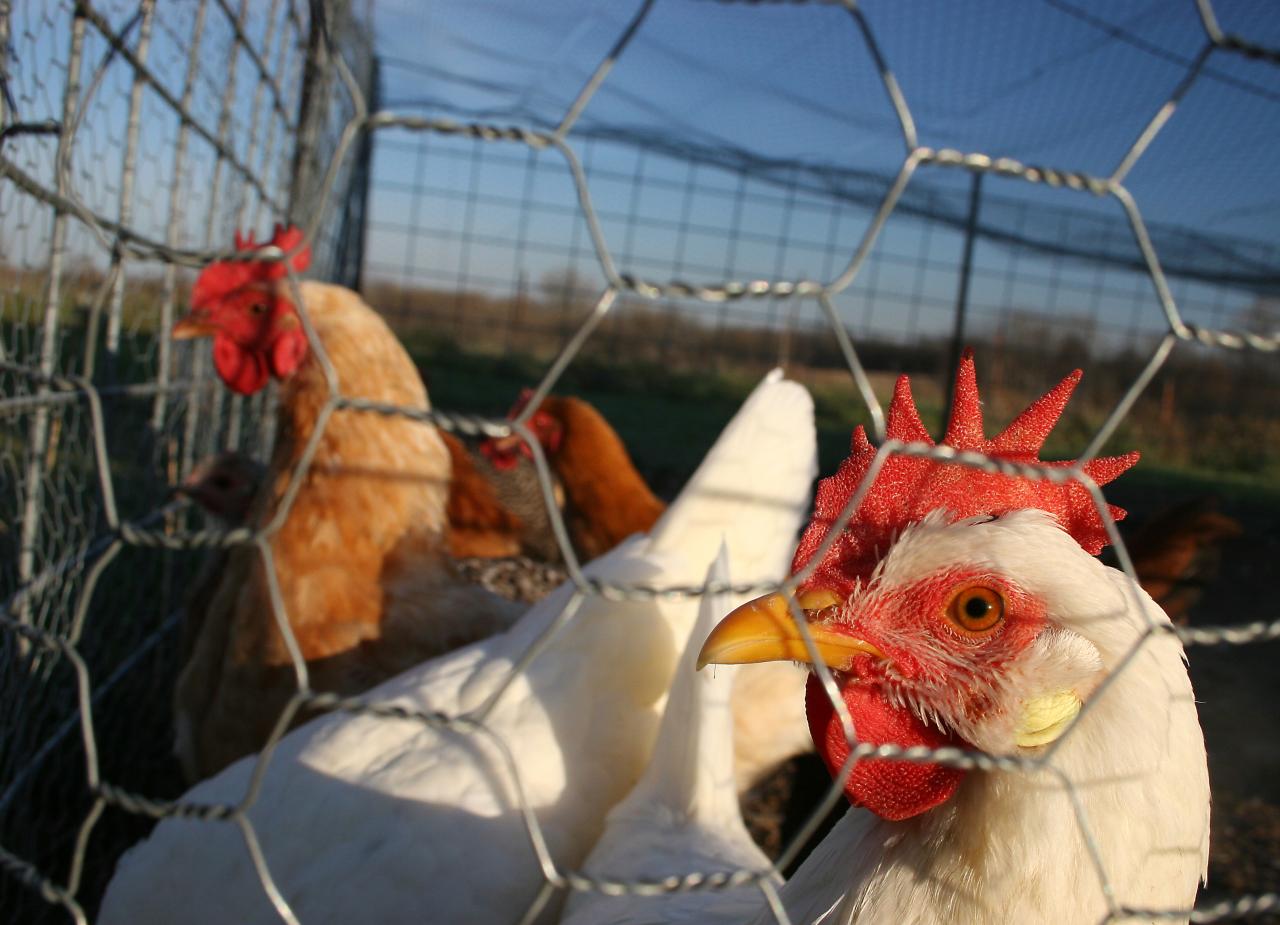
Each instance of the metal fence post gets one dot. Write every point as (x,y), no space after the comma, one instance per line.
(317,79)
(5,9)
(210,433)
(962,293)
(34,470)
(127,175)
(177,200)
(236,411)
(348,261)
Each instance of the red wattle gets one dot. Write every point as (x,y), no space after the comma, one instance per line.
(287,353)
(243,371)
(893,790)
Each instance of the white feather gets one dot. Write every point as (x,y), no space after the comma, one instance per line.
(682,817)
(366,819)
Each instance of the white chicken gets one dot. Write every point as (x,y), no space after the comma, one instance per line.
(965,608)
(682,817)
(368,819)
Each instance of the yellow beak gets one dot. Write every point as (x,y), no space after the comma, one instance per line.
(192,326)
(764,630)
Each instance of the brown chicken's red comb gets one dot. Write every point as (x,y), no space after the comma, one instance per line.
(223,277)
(504,453)
(907,488)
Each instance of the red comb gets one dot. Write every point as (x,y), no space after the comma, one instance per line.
(907,488)
(503,453)
(223,277)
(525,395)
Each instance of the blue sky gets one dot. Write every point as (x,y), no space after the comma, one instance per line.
(1065,83)
(1040,80)
(1061,83)
(38,58)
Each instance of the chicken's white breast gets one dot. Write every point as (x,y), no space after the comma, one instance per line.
(682,817)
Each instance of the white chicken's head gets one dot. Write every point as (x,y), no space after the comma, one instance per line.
(957,607)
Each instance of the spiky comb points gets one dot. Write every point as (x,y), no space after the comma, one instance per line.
(907,488)
(223,277)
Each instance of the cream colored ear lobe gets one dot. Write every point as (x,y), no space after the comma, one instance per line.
(1045,718)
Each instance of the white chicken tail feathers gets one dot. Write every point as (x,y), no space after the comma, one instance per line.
(753,485)
(690,772)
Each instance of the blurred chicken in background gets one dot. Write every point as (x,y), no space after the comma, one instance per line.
(359,563)
(223,488)
(481,525)
(605,499)
(1177,553)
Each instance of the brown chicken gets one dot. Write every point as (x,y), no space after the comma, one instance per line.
(223,487)
(480,525)
(1176,553)
(360,557)
(605,499)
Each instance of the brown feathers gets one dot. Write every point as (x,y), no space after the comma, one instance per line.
(479,525)
(360,564)
(606,500)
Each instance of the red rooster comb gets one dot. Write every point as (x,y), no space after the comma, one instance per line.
(907,488)
(505,452)
(223,277)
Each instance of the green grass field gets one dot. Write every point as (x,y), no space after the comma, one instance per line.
(668,421)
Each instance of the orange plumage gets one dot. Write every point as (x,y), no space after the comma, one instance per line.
(605,499)
(360,560)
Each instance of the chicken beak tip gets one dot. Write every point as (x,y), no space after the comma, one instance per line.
(764,630)
(750,633)
(192,326)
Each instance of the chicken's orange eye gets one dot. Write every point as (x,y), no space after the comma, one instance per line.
(976,609)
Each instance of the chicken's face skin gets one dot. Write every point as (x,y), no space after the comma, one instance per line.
(256,334)
(243,306)
(958,639)
(946,642)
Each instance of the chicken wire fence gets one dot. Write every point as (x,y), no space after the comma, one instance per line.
(106,417)
(132,133)
(478,243)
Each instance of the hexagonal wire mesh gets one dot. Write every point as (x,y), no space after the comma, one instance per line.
(124,126)
(75,515)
